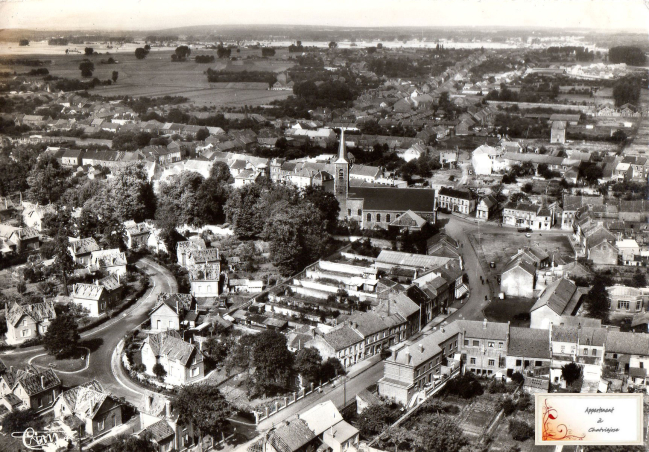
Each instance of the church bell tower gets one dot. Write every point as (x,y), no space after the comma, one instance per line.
(341,178)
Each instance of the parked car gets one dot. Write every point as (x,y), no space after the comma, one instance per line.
(528,235)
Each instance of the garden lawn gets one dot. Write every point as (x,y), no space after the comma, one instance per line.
(65,365)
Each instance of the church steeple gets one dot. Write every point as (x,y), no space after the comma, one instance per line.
(342,149)
(341,178)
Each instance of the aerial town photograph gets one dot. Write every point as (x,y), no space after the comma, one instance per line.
(371,226)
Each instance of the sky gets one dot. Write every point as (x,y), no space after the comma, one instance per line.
(161,14)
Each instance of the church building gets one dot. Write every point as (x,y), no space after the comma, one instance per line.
(374,207)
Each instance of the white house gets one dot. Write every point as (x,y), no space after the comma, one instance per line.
(182,361)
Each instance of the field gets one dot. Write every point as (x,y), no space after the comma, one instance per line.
(157,75)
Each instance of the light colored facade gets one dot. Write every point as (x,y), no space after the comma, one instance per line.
(485,346)
(170,310)
(527,215)
(25,322)
(627,300)
(205,279)
(159,421)
(460,201)
(182,361)
(28,387)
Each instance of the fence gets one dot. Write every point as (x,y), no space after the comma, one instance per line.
(296,396)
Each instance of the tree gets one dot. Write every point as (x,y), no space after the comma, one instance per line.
(633,56)
(240,355)
(47,180)
(220,172)
(272,360)
(267,52)
(466,386)
(86,67)
(520,430)
(639,279)
(181,53)
(331,368)
(308,363)
(333,45)
(398,436)
(374,419)
(438,433)
(89,51)
(21,287)
(114,76)
(203,406)
(20,420)
(62,337)
(63,261)
(130,443)
(222,52)
(23,42)
(140,53)
(178,199)
(597,300)
(326,203)
(202,134)
(570,372)
(159,371)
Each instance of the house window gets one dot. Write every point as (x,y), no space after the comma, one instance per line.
(586,351)
(623,305)
(387,217)
(100,425)
(25,333)
(563,349)
(476,343)
(500,345)
(519,362)
(360,212)
(378,217)
(594,352)
(25,322)
(538,363)
(194,371)
(349,212)
(472,360)
(171,323)
(491,344)
(492,362)
(466,342)
(341,174)
(369,217)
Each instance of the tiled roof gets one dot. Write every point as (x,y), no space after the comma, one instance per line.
(565,334)
(592,336)
(108,258)
(30,379)
(409,218)
(342,338)
(394,199)
(627,343)
(399,258)
(87,291)
(426,347)
(176,301)
(557,296)
(291,436)
(483,329)
(455,193)
(321,417)
(85,400)
(367,323)
(167,343)
(202,272)
(159,431)
(38,312)
(84,246)
(529,343)
(522,264)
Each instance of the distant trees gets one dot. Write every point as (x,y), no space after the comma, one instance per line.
(23,42)
(129,443)
(86,67)
(204,59)
(267,52)
(627,90)
(223,52)
(141,53)
(295,48)
(181,53)
(202,134)
(88,51)
(633,56)
(114,76)
(333,45)
(47,180)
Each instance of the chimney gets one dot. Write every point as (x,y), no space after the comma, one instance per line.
(408,357)
(484,324)
(43,381)
(168,408)
(421,348)
(11,369)
(177,306)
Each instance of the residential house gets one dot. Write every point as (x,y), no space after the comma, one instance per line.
(137,234)
(28,387)
(630,352)
(518,279)
(111,261)
(205,279)
(182,361)
(160,422)
(91,407)
(33,214)
(170,311)
(25,239)
(629,251)
(530,354)
(528,215)
(343,343)
(412,368)
(97,298)
(454,200)
(81,250)
(72,157)
(486,208)
(485,346)
(484,158)
(627,300)
(28,321)
(289,436)
(559,298)
(558,132)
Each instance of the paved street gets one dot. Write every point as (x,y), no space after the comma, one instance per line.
(111,333)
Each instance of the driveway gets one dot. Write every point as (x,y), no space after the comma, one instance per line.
(109,334)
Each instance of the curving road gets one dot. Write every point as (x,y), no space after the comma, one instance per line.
(111,332)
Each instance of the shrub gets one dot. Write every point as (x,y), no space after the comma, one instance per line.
(508,406)
(518,377)
(497,387)
(466,386)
